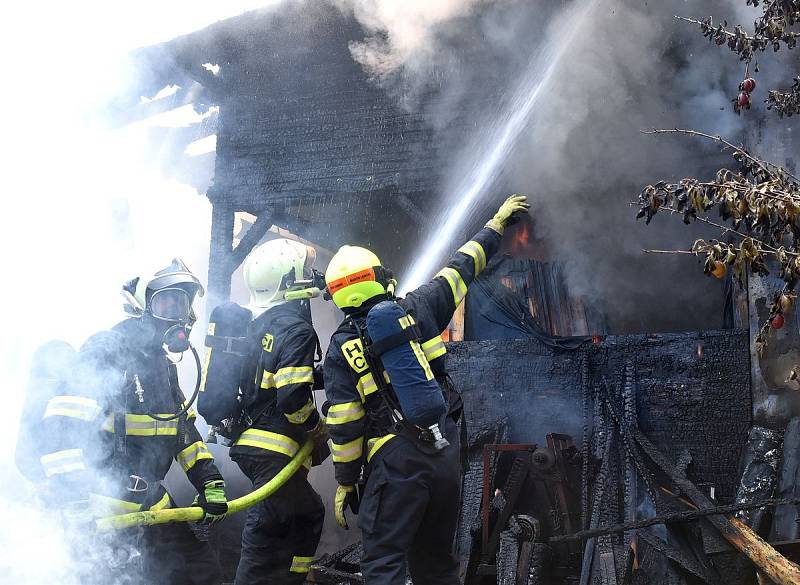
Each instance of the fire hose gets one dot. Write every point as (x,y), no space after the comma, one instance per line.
(195,513)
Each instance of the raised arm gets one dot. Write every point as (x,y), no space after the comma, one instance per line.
(449,286)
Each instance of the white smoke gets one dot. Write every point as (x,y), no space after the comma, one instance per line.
(401,34)
(84,209)
(582,156)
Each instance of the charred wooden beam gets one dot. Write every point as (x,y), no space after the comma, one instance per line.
(766,559)
(250,239)
(759,472)
(219,275)
(784,521)
(224,259)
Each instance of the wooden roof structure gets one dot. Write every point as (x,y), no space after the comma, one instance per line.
(305,139)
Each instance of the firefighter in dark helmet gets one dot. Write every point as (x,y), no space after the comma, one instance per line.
(121,421)
(281,533)
(409,505)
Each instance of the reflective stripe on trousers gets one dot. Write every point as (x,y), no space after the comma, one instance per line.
(268,441)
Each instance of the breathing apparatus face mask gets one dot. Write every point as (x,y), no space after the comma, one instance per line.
(171,311)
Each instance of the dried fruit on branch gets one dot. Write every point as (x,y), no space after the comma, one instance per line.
(759,209)
(774,29)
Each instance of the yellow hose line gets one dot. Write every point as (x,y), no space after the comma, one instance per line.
(194,514)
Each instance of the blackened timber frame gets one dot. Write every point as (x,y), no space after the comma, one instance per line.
(223,258)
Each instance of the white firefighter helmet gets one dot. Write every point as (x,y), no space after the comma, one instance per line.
(273,268)
(168,293)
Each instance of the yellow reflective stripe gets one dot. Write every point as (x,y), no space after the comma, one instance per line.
(301,415)
(456,283)
(78,407)
(204,372)
(190,414)
(268,380)
(478,254)
(434,348)
(301,564)
(268,441)
(62,462)
(192,454)
(297,375)
(161,504)
(348,452)
(423,362)
(376,443)
(105,505)
(143,425)
(339,414)
(366,385)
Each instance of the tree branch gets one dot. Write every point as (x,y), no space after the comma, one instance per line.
(766,166)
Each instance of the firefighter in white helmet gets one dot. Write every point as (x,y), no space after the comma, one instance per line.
(282,532)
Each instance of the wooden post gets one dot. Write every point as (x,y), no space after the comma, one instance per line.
(219,271)
(223,257)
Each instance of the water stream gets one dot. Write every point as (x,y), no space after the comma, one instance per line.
(493,146)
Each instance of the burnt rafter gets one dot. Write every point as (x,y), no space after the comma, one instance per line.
(224,259)
(742,537)
(253,235)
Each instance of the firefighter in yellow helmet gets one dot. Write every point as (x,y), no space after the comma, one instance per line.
(281,533)
(408,508)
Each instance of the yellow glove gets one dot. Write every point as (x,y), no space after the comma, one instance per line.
(346,495)
(512,205)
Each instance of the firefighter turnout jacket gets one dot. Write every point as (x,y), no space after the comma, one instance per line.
(104,444)
(356,432)
(277,382)
(281,533)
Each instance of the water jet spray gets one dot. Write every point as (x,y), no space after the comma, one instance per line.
(486,165)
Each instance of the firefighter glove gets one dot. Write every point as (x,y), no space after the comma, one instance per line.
(319,435)
(319,380)
(516,204)
(213,501)
(346,496)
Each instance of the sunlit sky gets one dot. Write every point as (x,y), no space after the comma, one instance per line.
(63,170)
(82,208)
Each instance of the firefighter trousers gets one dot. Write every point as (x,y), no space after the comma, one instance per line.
(409,514)
(281,533)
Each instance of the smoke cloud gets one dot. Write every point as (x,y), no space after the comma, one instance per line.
(402,35)
(85,207)
(582,157)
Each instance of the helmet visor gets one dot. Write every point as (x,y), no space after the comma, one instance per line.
(171,304)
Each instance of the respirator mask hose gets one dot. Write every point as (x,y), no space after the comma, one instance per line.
(196,392)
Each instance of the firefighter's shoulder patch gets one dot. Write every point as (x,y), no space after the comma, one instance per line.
(353,352)
(267,342)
